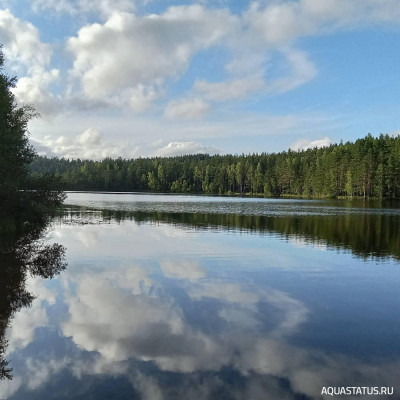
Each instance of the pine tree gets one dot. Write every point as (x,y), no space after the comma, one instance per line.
(18,193)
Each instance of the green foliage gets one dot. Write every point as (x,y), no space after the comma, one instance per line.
(17,191)
(369,167)
(15,150)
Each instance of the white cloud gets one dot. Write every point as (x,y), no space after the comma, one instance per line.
(302,71)
(34,90)
(181,148)
(304,144)
(186,109)
(131,60)
(130,55)
(281,23)
(90,144)
(91,137)
(142,97)
(277,23)
(21,42)
(276,27)
(27,55)
(126,131)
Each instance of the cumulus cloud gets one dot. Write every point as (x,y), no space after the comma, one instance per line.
(91,137)
(34,90)
(304,144)
(128,59)
(152,49)
(142,97)
(181,148)
(186,109)
(90,144)
(21,42)
(128,55)
(28,56)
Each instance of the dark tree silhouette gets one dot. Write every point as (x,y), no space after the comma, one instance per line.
(22,252)
(17,189)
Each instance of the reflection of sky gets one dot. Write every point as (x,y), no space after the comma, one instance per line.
(156,311)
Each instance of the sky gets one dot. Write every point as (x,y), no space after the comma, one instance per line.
(138,78)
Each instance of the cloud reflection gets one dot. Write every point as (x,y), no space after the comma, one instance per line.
(178,329)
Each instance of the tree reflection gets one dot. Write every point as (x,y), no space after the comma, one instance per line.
(364,234)
(22,253)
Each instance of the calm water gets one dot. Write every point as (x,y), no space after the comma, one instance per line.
(189,297)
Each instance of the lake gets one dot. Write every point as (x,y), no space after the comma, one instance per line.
(195,297)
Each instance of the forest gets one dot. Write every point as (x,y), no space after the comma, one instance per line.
(368,167)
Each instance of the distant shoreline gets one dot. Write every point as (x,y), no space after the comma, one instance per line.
(367,168)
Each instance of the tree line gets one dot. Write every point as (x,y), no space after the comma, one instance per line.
(369,167)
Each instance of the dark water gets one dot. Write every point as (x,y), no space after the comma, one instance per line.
(178,297)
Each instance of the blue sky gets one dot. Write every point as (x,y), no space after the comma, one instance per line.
(137,78)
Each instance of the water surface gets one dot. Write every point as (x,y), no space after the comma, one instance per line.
(194,297)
